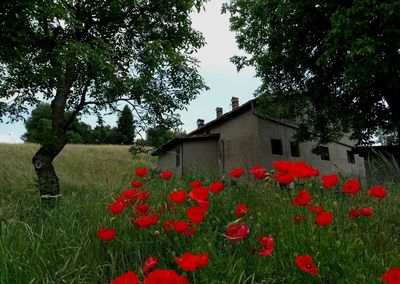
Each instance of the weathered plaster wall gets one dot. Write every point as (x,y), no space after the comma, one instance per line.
(338,153)
(238,141)
(200,155)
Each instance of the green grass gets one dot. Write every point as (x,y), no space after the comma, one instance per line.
(59,245)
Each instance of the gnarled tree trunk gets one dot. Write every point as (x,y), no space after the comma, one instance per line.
(48,183)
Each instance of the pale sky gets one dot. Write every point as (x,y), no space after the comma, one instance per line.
(218,72)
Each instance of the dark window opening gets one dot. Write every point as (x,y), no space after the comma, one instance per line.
(324,153)
(276,146)
(178,157)
(294,149)
(350,157)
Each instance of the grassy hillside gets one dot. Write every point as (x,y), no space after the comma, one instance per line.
(80,167)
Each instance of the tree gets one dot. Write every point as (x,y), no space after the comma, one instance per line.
(87,56)
(125,127)
(38,127)
(332,65)
(157,136)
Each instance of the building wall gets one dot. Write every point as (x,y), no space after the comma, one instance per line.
(238,141)
(245,140)
(167,161)
(200,155)
(338,162)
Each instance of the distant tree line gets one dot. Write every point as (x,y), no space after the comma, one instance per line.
(38,130)
(39,127)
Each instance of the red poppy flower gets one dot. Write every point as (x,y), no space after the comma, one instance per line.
(146,221)
(352,186)
(305,262)
(353,213)
(366,211)
(119,199)
(329,181)
(302,198)
(150,263)
(168,225)
(199,194)
(288,171)
(241,210)
(166,175)
(190,232)
(298,218)
(283,166)
(190,262)
(106,234)
(392,276)
(116,207)
(216,186)
(141,209)
(180,226)
(302,170)
(143,196)
(324,219)
(202,259)
(236,232)
(136,183)
(127,278)
(177,196)
(378,192)
(236,173)
(195,214)
(130,193)
(195,184)
(268,245)
(162,276)
(316,210)
(141,172)
(285,178)
(258,172)
(204,205)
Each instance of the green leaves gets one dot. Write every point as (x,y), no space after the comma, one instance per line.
(331,65)
(101,52)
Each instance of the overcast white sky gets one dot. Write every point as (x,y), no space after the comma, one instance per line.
(219,74)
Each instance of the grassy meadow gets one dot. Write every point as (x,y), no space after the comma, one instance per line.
(60,245)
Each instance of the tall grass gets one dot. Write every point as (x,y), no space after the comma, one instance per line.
(383,168)
(38,245)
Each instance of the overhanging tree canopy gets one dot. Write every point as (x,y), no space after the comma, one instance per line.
(86,56)
(333,65)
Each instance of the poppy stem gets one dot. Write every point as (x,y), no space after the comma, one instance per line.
(194,277)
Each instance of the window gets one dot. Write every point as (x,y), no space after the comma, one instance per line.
(294,149)
(276,146)
(324,153)
(178,157)
(350,157)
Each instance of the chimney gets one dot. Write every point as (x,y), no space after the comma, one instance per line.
(200,123)
(219,112)
(235,103)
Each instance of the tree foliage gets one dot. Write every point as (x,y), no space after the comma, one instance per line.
(86,56)
(332,65)
(157,136)
(38,128)
(125,126)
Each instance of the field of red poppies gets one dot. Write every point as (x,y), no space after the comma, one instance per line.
(323,229)
(121,221)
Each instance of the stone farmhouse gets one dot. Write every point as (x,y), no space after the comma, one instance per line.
(242,138)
